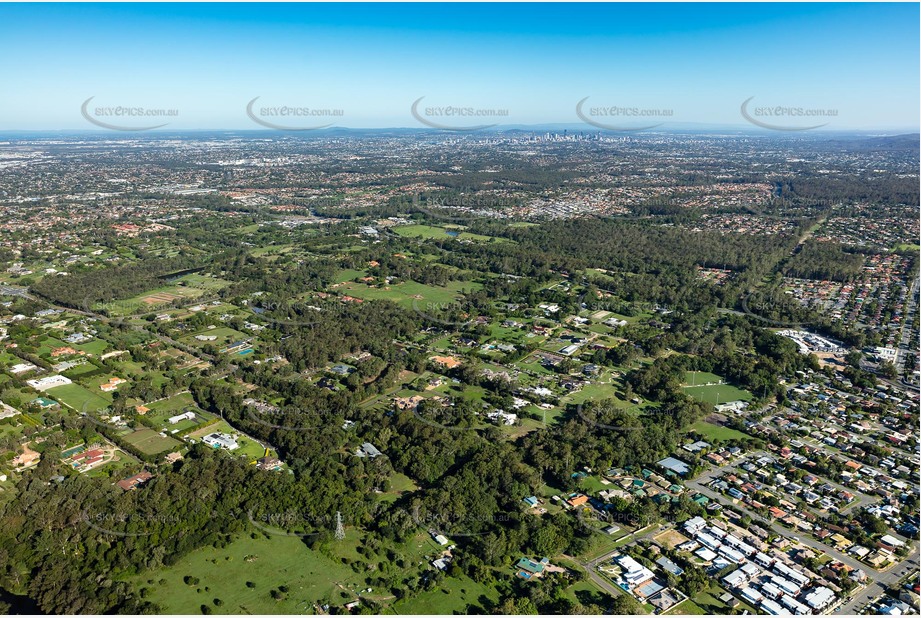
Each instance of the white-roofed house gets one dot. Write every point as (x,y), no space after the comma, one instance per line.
(820,598)
(751,595)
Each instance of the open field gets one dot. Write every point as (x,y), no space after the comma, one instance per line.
(266,562)
(78,398)
(708,602)
(243,574)
(270,250)
(410,294)
(248,447)
(686,608)
(670,538)
(441,233)
(348,274)
(94,347)
(701,378)
(223,335)
(7,359)
(161,411)
(597,392)
(174,404)
(150,442)
(186,288)
(711,388)
(84,370)
(601,543)
(46,344)
(399,483)
(454,596)
(709,431)
(717,394)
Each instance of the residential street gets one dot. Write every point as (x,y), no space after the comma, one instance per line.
(860,499)
(905,345)
(591,566)
(889,578)
(879,579)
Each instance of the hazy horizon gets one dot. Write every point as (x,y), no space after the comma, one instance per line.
(835,67)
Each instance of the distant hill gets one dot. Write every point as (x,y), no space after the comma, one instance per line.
(908,143)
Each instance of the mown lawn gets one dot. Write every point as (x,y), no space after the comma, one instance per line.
(150,442)
(708,601)
(709,431)
(597,392)
(348,274)
(223,336)
(425,299)
(248,447)
(700,378)
(95,347)
(717,394)
(430,231)
(399,483)
(78,398)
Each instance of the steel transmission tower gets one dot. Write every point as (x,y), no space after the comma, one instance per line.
(340,530)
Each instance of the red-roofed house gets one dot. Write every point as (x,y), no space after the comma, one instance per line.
(133,481)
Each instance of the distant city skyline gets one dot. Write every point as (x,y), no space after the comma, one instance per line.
(836,67)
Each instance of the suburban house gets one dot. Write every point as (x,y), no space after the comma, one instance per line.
(132,482)
(221,440)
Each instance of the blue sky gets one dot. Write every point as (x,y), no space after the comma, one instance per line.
(700,61)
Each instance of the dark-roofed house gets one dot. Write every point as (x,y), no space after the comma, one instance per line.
(669,566)
(664,600)
(268,463)
(368,450)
